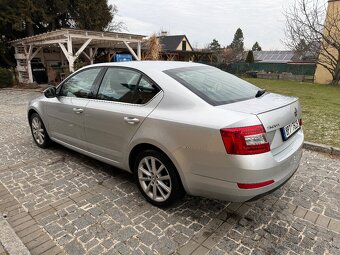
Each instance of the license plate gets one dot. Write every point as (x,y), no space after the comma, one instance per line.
(290,129)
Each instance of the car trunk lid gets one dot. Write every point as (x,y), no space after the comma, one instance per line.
(274,111)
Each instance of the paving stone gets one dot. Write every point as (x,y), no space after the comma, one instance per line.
(122,248)
(43,247)
(96,250)
(32,236)
(334,225)
(311,216)
(147,238)
(24,225)
(91,244)
(165,246)
(2,250)
(40,210)
(38,241)
(74,248)
(52,251)
(323,221)
(21,220)
(188,248)
(211,241)
(300,212)
(28,231)
(201,251)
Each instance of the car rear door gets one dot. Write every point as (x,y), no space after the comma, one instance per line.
(124,99)
(65,113)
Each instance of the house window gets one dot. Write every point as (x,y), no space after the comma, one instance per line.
(184,45)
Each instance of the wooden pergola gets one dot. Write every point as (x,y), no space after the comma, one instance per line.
(72,42)
(194,56)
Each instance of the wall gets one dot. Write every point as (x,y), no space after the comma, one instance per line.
(322,75)
(188,45)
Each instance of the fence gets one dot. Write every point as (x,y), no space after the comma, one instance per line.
(295,69)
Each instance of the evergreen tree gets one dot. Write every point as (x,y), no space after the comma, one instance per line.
(250,57)
(256,47)
(238,42)
(214,45)
(21,18)
(91,14)
(29,17)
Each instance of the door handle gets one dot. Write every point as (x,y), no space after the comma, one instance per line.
(131,120)
(78,110)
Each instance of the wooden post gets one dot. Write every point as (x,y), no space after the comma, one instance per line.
(139,50)
(82,48)
(91,56)
(131,50)
(28,53)
(70,57)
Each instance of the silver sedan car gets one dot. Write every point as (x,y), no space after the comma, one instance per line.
(177,127)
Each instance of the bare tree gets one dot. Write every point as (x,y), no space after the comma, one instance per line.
(115,25)
(228,56)
(153,48)
(309,22)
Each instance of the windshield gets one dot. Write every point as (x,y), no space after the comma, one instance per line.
(214,86)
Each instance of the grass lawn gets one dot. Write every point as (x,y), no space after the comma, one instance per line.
(320,107)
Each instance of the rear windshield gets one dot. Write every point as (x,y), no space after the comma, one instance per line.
(214,86)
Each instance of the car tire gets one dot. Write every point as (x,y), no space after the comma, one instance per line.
(39,132)
(157,178)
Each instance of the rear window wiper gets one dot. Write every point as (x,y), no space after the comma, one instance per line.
(260,92)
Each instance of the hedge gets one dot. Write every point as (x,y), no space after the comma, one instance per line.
(6,78)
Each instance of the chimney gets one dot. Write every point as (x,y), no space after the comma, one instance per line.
(164,33)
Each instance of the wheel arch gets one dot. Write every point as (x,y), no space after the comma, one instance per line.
(30,112)
(138,148)
(33,110)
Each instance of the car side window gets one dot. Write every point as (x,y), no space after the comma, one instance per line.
(146,90)
(119,85)
(80,84)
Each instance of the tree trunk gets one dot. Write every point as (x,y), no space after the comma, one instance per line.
(336,72)
(336,78)
(52,25)
(29,28)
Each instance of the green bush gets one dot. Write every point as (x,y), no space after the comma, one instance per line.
(6,78)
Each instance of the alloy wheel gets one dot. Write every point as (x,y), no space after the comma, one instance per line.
(154,179)
(38,131)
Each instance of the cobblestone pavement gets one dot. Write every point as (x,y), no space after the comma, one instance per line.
(60,202)
(2,250)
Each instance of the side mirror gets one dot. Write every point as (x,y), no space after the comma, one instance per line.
(50,92)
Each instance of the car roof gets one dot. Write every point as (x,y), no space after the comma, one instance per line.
(150,65)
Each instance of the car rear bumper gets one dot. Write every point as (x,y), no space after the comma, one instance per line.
(260,168)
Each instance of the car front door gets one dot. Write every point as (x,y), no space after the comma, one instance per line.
(65,113)
(125,98)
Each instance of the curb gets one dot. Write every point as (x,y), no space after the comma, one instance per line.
(322,148)
(10,241)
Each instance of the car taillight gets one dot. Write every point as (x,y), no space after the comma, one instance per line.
(254,185)
(300,122)
(245,140)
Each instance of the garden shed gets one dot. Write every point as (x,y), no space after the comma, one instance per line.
(58,50)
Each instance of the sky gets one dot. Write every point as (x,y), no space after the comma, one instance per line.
(203,20)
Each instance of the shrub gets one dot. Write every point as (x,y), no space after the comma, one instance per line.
(6,78)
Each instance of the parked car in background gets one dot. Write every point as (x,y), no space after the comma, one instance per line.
(178,127)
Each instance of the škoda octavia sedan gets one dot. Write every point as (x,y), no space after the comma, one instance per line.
(177,127)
